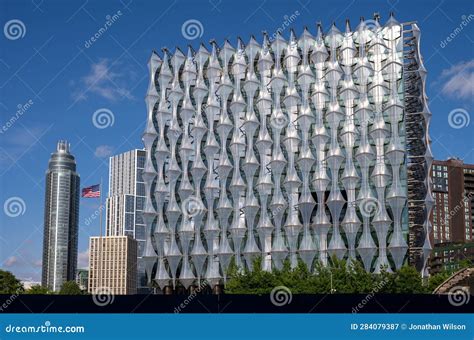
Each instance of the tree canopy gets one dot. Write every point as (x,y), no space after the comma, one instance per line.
(341,277)
(70,288)
(38,289)
(9,284)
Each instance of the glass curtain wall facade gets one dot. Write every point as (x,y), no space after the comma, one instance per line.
(286,150)
(125,203)
(61,216)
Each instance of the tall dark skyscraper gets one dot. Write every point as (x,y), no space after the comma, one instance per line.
(61,216)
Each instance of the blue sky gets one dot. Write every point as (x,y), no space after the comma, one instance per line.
(59,79)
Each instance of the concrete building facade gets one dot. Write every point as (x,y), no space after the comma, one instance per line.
(112,265)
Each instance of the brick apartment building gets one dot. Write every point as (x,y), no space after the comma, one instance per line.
(453,214)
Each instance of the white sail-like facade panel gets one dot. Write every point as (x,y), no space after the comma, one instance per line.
(298,149)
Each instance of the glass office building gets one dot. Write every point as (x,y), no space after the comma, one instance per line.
(289,150)
(61,216)
(125,203)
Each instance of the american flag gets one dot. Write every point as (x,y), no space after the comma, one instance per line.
(92,191)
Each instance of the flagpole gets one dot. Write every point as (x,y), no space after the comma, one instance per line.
(100,195)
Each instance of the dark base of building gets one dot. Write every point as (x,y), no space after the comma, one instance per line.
(226,303)
(180,290)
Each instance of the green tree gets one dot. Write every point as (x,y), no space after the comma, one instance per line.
(408,280)
(339,277)
(9,284)
(37,289)
(385,281)
(70,288)
(358,280)
(465,263)
(257,281)
(436,279)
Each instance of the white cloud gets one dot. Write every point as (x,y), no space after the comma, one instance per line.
(83,259)
(10,261)
(458,80)
(103,151)
(101,80)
